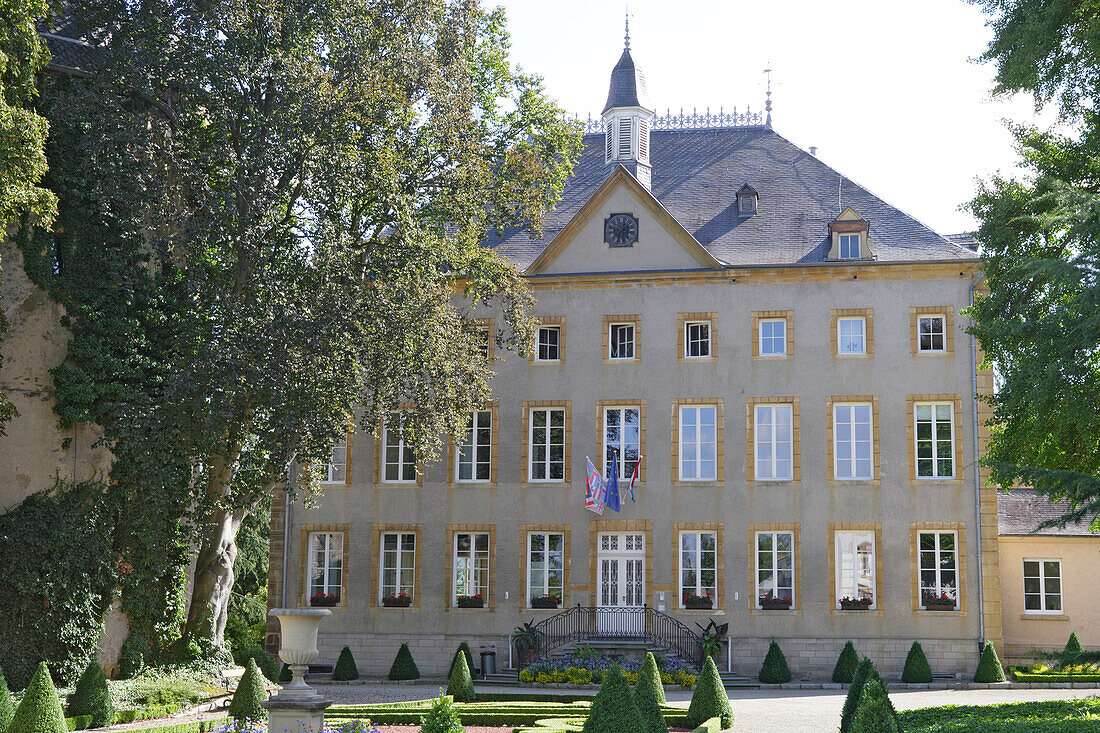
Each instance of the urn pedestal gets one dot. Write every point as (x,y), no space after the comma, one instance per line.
(297,707)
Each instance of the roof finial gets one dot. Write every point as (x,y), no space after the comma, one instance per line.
(768,103)
(626,38)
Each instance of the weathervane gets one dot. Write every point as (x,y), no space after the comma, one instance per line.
(626,38)
(768,103)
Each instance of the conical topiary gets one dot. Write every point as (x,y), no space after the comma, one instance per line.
(92,697)
(463,649)
(40,710)
(442,717)
(650,670)
(245,704)
(874,714)
(613,710)
(859,678)
(345,668)
(7,705)
(989,666)
(845,665)
(404,668)
(775,670)
(645,697)
(709,699)
(286,674)
(460,685)
(916,666)
(1073,644)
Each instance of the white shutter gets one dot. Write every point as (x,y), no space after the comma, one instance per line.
(625,139)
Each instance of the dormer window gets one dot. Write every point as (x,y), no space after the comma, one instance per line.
(849,236)
(746,201)
(849,246)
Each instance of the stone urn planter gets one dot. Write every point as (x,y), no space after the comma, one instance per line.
(297,705)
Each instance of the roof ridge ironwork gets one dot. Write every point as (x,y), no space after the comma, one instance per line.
(694,120)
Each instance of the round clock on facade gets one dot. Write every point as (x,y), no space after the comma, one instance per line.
(620,230)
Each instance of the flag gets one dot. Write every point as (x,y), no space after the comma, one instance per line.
(634,477)
(595,491)
(613,484)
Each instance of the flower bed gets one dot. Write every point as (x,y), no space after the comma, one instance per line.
(586,667)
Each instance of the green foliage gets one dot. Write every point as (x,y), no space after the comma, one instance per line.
(513,711)
(613,709)
(648,702)
(865,670)
(460,685)
(7,705)
(40,709)
(1051,716)
(713,725)
(989,666)
(846,665)
(403,667)
(245,704)
(265,660)
(463,649)
(651,670)
(874,713)
(345,668)
(286,674)
(92,697)
(916,666)
(442,717)
(709,699)
(775,671)
(1073,644)
(79,722)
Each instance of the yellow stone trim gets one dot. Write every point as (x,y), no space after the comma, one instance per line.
(525,446)
(796,439)
(494,448)
(376,558)
(720,435)
(640,404)
(525,531)
(867,314)
(718,529)
(303,557)
(682,321)
(835,527)
(595,527)
(634,320)
(788,316)
(558,321)
(876,443)
(911,431)
(959,528)
(948,329)
(796,607)
(448,565)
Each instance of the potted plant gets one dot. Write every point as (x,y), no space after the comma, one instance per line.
(397,600)
(324,599)
(475,601)
(693,601)
(545,601)
(771,602)
(526,641)
(848,603)
(941,602)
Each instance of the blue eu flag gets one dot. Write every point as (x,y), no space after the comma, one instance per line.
(613,485)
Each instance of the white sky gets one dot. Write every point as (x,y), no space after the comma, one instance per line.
(887,90)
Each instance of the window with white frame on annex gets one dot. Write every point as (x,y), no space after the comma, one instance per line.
(549,344)
(399,461)
(939,569)
(853,449)
(698,442)
(483,339)
(326,565)
(545,566)
(398,566)
(774,568)
(935,443)
(851,335)
(855,567)
(474,454)
(931,333)
(471,563)
(547,449)
(849,246)
(620,340)
(773,434)
(1042,586)
(697,339)
(698,567)
(335,470)
(622,438)
(773,337)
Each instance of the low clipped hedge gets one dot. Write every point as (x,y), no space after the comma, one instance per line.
(1024,674)
(714,725)
(522,712)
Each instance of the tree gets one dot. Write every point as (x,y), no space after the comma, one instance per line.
(251,691)
(404,667)
(650,670)
(709,700)
(613,709)
(989,666)
(845,664)
(648,702)
(460,685)
(916,666)
(345,668)
(875,713)
(464,650)
(7,705)
(40,709)
(91,697)
(774,671)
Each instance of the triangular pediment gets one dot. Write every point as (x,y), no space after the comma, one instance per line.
(849,214)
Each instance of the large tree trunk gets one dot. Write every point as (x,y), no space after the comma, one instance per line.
(214,576)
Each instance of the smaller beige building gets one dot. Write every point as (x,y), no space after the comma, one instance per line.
(1049,578)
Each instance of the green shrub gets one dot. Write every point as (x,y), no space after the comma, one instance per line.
(863,672)
(650,669)
(463,649)
(92,697)
(613,710)
(7,705)
(1073,644)
(245,704)
(645,698)
(285,674)
(77,722)
(845,665)
(714,725)
(265,660)
(916,666)
(989,666)
(874,714)
(709,699)
(126,716)
(40,710)
(345,668)
(460,685)
(442,717)
(404,668)
(775,670)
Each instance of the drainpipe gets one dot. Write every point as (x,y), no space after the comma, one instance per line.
(286,532)
(977,472)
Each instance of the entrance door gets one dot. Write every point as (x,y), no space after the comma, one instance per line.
(621,563)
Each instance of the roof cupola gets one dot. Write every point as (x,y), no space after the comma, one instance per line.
(626,117)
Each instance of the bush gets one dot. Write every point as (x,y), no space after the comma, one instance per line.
(92,698)
(649,707)
(7,705)
(1073,645)
(265,660)
(463,649)
(874,714)
(40,710)
(76,722)
(989,666)
(345,668)
(916,666)
(250,693)
(649,669)
(460,685)
(404,668)
(863,672)
(775,670)
(846,665)
(613,710)
(709,699)
(285,674)
(443,715)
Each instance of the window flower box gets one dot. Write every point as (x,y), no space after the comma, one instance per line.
(400,600)
(546,601)
(324,599)
(942,602)
(693,601)
(474,601)
(855,604)
(771,603)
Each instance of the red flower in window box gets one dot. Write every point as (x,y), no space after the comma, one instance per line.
(941,602)
(854,604)
(545,601)
(324,599)
(693,601)
(397,600)
(772,602)
(475,601)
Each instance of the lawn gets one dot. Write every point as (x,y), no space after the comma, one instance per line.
(489,713)
(1052,716)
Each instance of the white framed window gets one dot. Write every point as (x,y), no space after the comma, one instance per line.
(398,565)
(697,339)
(335,470)
(622,437)
(471,565)
(931,333)
(621,340)
(774,567)
(547,449)
(935,443)
(774,437)
(326,563)
(545,565)
(853,449)
(483,337)
(939,568)
(474,454)
(849,246)
(1043,586)
(698,565)
(855,567)
(773,337)
(698,443)
(549,344)
(399,462)
(851,336)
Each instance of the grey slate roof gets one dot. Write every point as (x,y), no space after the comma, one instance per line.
(696,175)
(70,53)
(627,87)
(1021,510)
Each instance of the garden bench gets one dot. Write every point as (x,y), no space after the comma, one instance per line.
(233,673)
